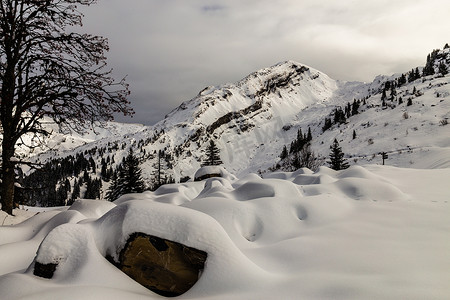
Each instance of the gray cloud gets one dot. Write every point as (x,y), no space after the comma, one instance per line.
(171,49)
(213,8)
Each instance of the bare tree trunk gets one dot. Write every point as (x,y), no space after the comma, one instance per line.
(8,177)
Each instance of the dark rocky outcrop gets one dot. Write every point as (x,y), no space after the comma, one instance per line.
(235,115)
(206,176)
(44,270)
(165,267)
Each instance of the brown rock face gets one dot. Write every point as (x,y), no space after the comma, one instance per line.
(44,270)
(206,177)
(165,267)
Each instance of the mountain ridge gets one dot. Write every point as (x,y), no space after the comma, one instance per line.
(251,120)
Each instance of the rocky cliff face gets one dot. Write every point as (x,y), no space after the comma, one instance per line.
(247,117)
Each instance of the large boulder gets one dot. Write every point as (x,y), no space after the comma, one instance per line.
(165,267)
(212,171)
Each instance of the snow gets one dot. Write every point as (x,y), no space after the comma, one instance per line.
(57,142)
(368,232)
(215,171)
(250,140)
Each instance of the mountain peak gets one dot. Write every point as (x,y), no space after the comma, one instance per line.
(289,84)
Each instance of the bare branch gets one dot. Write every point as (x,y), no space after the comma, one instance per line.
(48,71)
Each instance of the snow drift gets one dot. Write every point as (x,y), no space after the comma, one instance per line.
(368,232)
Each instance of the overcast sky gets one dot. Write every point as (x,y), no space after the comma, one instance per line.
(172,49)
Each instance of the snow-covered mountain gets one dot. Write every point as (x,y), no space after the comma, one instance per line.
(59,142)
(252,119)
(246,119)
(373,232)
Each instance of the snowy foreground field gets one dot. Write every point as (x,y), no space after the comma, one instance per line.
(368,232)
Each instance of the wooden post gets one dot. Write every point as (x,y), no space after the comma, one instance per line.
(384,156)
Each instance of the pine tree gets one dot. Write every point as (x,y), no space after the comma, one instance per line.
(327,124)
(354,134)
(158,173)
(284,153)
(443,69)
(93,187)
(75,193)
(337,161)
(401,80)
(348,110)
(104,171)
(127,179)
(131,175)
(90,192)
(429,66)
(383,96)
(298,142)
(355,107)
(114,191)
(212,155)
(92,165)
(309,136)
(417,73)
(393,93)
(411,76)
(339,116)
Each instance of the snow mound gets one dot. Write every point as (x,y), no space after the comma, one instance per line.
(355,183)
(76,248)
(92,209)
(304,179)
(263,237)
(212,171)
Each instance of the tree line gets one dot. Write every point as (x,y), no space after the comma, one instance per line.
(300,155)
(60,182)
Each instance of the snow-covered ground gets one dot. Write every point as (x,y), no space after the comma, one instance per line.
(371,232)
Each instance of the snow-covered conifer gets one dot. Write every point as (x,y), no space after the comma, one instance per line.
(212,155)
(337,161)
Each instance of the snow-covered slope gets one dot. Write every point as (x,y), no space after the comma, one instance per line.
(280,90)
(413,136)
(372,232)
(63,142)
(245,118)
(252,119)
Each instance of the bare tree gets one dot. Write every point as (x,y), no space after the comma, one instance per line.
(305,158)
(309,159)
(46,70)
